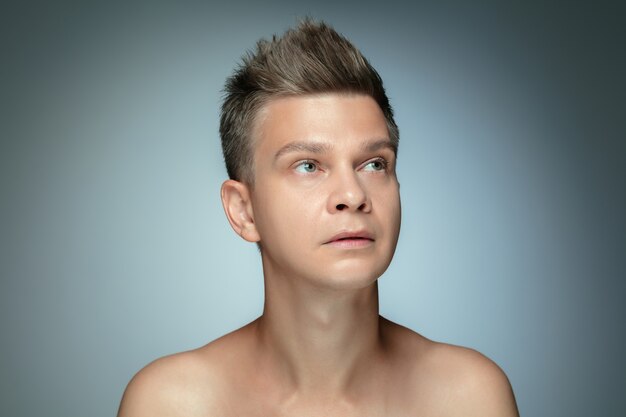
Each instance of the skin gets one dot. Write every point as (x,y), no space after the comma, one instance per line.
(323,166)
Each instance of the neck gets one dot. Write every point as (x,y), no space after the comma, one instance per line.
(318,339)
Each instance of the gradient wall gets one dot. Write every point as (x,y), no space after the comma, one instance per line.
(114,249)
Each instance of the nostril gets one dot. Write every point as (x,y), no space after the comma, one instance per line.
(341,207)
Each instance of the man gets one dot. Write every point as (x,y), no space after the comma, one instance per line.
(310,146)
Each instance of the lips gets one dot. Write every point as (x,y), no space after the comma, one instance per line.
(356,236)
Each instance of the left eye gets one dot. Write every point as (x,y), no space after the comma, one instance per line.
(375,165)
(306,167)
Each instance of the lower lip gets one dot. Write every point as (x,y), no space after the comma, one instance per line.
(351,243)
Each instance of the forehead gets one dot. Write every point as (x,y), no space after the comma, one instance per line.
(336,119)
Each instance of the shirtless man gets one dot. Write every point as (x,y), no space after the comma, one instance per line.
(310,146)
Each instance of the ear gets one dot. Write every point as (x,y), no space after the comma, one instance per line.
(238,209)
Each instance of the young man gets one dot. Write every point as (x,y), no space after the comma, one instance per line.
(310,146)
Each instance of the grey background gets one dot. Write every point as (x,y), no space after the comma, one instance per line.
(113,245)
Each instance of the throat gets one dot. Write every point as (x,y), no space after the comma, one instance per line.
(320,343)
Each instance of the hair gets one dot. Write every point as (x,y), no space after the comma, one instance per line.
(310,59)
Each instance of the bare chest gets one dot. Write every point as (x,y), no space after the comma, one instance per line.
(396,402)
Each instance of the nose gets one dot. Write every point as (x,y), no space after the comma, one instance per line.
(348,194)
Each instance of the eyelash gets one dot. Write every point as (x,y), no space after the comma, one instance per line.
(382,161)
(307,161)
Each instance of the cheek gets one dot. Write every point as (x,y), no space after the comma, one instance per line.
(387,198)
(287,214)
(389,208)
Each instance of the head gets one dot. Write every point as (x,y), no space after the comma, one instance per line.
(310,59)
(310,146)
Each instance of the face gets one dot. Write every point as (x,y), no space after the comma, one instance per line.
(325,200)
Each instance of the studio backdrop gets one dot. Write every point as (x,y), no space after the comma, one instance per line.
(115,249)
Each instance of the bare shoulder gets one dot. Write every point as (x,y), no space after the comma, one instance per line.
(180,384)
(187,384)
(452,380)
(475,384)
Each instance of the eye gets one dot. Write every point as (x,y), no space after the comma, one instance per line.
(306,167)
(378,164)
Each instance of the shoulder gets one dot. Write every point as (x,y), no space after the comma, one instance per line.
(193,383)
(471,383)
(182,384)
(450,380)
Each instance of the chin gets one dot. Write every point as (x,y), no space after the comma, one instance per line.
(351,277)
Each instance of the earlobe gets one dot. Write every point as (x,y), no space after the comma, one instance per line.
(238,209)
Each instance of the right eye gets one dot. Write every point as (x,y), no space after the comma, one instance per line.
(306,167)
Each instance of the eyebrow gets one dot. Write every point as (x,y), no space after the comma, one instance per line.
(378,144)
(324,147)
(311,147)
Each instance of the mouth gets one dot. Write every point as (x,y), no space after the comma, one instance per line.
(351,239)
